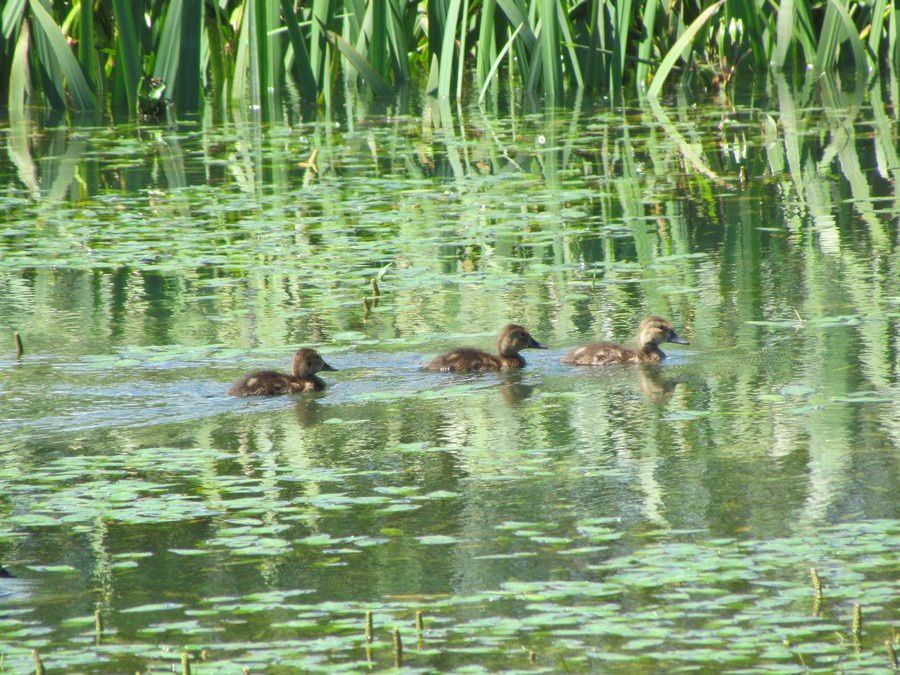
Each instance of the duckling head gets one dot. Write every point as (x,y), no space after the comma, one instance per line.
(308,362)
(655,330)
(514,338)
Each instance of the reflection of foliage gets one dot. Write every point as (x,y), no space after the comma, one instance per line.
(568,582)
(594,516)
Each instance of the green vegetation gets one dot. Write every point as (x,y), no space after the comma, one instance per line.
(128,54)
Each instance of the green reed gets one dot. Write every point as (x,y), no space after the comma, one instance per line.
(126,54)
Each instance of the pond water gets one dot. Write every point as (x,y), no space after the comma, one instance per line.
(616,519)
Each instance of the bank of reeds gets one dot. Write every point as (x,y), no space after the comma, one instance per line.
(137,55)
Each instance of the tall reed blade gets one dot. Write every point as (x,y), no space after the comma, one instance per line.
(448,47)
(550,56)
(856,45)
(302,67)
(461,65)
(486,52)
(826,50)
(804,33)
(87,54)
(260,59)
(754,30)
(680,45)
(894,37)
(82,96)
(645,49)
(620,46)
(399,39)
(128,50)
(570,53)
(526,45)
(240,87)
(497,62)
(359,62)
(20,80)
(11,17)
(783,33)
(879,10)
(517,16)
(321,18)
(378,38)
(274,56)
(168,47)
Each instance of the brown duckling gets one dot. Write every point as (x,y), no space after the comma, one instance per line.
(512,340)
(306,363)
(653,330)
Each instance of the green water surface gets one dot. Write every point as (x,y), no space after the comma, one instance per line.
(558,519)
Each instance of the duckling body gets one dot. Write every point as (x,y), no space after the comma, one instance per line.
(305,365)
(273,383)
(653,330)
(601,353)
(468,359)
(6,574)
(511,341)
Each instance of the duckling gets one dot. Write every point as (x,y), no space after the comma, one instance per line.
(652,331)
(6,574)
(306,363)
(512,340)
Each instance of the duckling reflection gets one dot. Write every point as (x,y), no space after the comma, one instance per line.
(652,331)
(513,339)
(308,412)
(305,365)
(513,392)
(654,385)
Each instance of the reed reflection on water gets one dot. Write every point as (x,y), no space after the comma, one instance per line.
(657,516)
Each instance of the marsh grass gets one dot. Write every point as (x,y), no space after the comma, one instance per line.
(98,54)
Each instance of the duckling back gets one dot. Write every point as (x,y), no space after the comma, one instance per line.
(602,353)
(465,360)
(272,383)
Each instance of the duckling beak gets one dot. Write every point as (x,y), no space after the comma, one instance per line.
(325,366)
(534,344)
(677,339)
